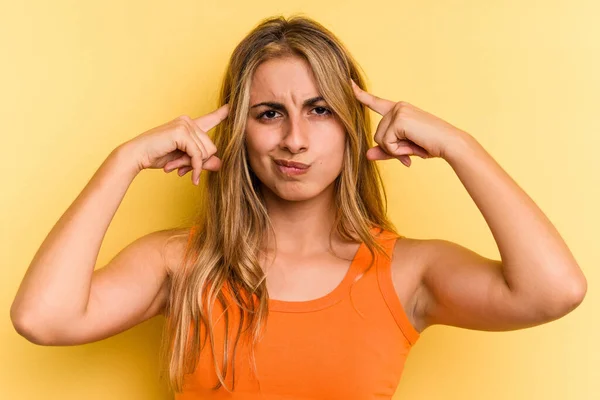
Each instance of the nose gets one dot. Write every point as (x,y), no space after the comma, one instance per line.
(295,135)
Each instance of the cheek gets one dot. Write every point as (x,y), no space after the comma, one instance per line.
(334,145)
(261,138)
(255,142)
(259,145)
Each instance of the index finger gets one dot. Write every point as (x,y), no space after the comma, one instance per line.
(377,104)
(212,119)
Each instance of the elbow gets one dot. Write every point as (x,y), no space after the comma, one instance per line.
(30,327)
(557,300)
(570,297)
(576,292)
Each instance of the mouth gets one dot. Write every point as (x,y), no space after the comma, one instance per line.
(291,167)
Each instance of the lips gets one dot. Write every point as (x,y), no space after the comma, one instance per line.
(291,164)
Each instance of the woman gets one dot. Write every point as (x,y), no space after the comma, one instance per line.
(293,282)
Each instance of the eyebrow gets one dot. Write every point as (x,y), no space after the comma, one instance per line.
(281,107)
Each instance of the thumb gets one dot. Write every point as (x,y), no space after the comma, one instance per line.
(212,164)
(377,153)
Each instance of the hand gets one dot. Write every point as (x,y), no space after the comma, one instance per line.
(406,130)
(180,144)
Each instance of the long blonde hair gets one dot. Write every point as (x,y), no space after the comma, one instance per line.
(222,260)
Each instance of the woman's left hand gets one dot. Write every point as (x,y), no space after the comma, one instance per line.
(406,130)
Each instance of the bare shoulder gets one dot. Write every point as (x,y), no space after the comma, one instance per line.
(155,256)
(163,249)
(174,246)
(409,261)
(171,244)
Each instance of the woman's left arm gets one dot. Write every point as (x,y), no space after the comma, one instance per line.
(537,279)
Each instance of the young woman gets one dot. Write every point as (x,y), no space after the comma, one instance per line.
(293,282)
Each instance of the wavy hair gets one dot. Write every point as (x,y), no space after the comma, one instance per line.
(221,262)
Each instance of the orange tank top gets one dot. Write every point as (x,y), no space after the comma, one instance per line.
(321,348)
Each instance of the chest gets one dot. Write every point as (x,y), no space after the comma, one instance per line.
(298,279)
(294,279)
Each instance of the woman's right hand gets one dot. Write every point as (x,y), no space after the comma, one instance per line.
(180,144)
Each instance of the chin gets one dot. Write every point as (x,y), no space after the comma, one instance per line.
(293,191)
(296,197)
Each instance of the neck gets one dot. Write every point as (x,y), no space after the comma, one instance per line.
(301,227)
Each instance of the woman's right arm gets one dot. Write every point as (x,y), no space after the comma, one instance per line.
(58,302)
(62,300)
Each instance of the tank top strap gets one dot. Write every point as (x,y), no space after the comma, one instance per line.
(384,277)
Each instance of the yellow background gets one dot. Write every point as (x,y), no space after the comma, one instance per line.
(79,78)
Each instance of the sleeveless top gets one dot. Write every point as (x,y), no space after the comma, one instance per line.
(322,348)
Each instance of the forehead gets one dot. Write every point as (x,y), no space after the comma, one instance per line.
(289,78)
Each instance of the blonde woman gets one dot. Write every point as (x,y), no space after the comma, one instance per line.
(293,283)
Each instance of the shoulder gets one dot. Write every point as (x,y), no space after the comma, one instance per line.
(174,245)
(423,269)
(410,257)
(409,260)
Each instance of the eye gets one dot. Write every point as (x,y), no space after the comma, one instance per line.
(322,110)
(269,114)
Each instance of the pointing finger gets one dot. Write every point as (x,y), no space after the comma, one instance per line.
(210,120)
(377,104)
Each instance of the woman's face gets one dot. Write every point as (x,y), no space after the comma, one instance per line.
(289,121)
